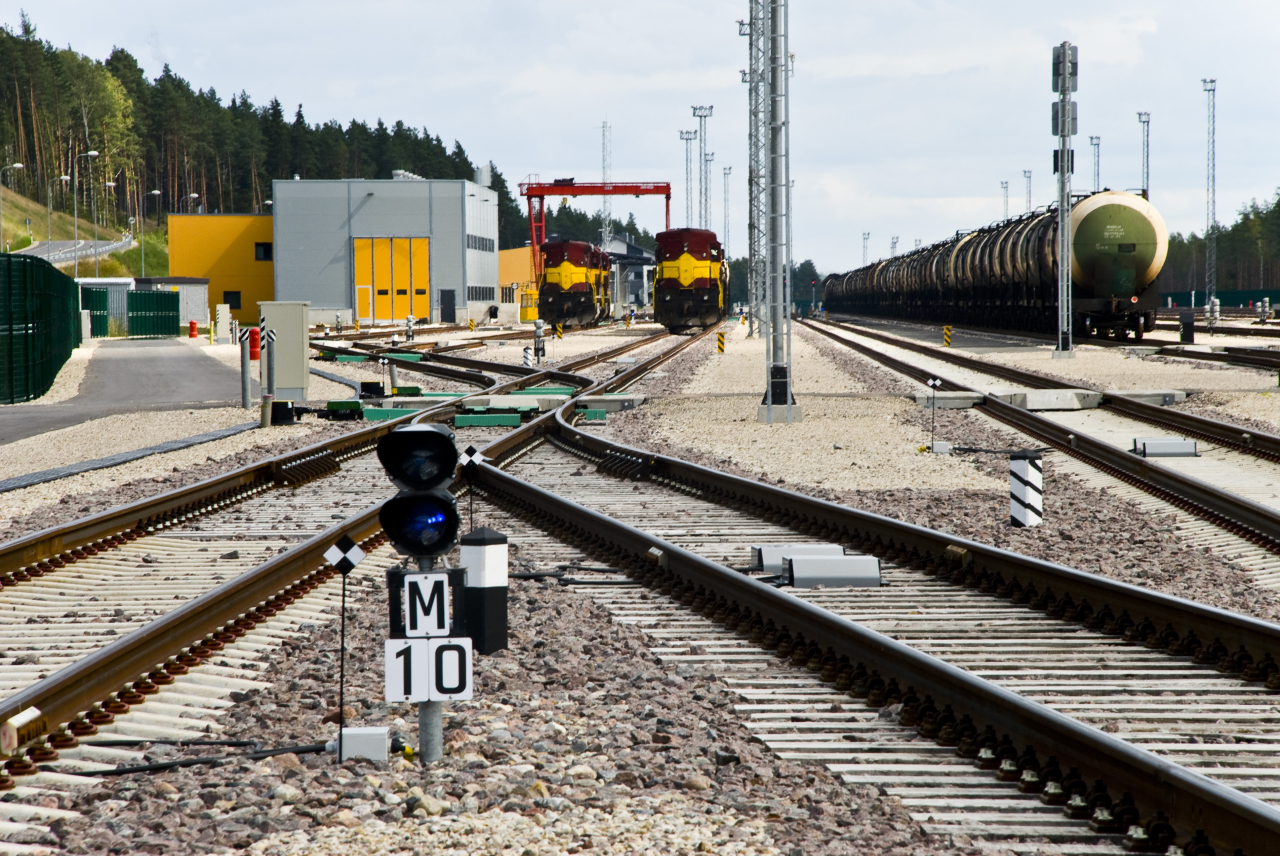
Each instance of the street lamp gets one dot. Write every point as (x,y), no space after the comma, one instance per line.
(2,169)
(75,193)
(191,203)
(48,254)
(142,222)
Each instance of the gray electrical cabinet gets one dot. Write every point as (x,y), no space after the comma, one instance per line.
(289,320)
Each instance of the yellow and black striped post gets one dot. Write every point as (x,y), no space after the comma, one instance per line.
(472,324)
(946,337)
(559,331)
(720,342)
(742,319)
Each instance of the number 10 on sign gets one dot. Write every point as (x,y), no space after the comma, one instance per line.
(428,669)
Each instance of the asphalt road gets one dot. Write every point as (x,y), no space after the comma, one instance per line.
(131,376)
(61,250)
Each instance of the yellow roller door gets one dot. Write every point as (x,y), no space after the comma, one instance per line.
(382,307)
(401,278)
(421,277)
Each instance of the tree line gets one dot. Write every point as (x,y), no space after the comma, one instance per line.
(57,105)
(1247,251)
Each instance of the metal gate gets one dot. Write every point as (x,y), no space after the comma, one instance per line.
(95,301)
(153,314)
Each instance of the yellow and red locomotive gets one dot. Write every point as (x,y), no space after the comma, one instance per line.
(574,287)
(691,284)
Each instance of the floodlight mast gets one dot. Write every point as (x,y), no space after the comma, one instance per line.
(1211,212)
(704,178)
(688,137)
(1096,143)
(1026,173)
(778,361)
(1145,119)
(1004,188)
(1065,81)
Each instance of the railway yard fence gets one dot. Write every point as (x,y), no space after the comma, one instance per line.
(39,326)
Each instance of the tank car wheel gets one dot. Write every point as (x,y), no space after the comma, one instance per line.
(1120,333)
(1137,334)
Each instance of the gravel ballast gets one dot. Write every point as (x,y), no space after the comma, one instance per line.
(578,740)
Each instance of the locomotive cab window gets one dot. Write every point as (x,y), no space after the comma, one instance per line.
(1127,248)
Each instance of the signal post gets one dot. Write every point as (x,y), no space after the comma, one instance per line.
(439,617)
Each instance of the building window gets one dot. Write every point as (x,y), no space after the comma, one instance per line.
(484,245)
(384,291)
(262,251)
(403,291)
(508,294)
(420,291)
(480,293)
(231,298)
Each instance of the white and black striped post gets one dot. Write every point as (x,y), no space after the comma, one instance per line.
(1026,488)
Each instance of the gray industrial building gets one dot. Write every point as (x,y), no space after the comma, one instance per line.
(383,250)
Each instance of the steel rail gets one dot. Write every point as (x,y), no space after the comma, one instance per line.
(74,689)
(1233,819)
(120,667)
(57,546)
(474,377)
(1247,441)
(1243,517)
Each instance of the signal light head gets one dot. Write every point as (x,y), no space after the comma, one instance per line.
(421,524)
(419,457)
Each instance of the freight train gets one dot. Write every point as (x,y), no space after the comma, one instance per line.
(574,289)
(1006,276)
(691,283)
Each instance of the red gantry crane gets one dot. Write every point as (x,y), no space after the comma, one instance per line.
(536,191)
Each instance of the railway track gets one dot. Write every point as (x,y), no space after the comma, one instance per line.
(1228,495)
(706,519)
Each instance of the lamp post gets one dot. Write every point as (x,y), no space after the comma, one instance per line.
(48,253)
(11,166)
(191,202)
(75,193)
(142,222)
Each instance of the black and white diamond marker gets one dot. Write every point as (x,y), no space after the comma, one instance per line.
(935,382)
(344,555)
(470,460)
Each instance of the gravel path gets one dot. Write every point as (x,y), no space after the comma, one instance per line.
(854,435)
(577,740)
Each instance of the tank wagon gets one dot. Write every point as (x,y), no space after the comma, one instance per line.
(691,284)
(1006,276)
(574,287)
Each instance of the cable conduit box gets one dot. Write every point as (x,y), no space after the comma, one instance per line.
(292,348)
(833,571)
(1164,447)
(769,557)
(371,743)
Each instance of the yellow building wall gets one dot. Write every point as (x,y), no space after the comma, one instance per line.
(220,247)
(515,267)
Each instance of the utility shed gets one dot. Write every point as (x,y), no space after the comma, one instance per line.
(380,251)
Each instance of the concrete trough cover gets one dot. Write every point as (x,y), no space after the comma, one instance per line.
(1050,399)
(949,400)
(1158,397)
(612,403)
(770,557)
(833,571)
(625,361)
(1164,447)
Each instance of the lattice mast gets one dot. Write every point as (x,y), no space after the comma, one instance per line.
(778,362)
(756,29)
(1096,144)
(702,114)
(1004,188)
(1211,212)
(1145,120)
(688,137)
(1065,81)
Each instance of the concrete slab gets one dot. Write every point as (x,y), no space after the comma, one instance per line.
(949,400)
(1158,397)
(1050,399)
(779,413)
(612,403)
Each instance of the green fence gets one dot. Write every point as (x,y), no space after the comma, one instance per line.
(39,326)
(153,314)
(95,301)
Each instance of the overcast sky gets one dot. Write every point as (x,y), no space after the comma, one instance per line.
(906,116)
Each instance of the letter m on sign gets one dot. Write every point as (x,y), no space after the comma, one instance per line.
(426,599)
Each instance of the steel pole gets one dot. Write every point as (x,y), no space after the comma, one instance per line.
(245,387)
(1064,348)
